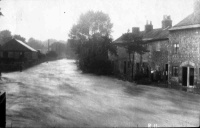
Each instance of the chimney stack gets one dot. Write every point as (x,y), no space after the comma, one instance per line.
(166,22)
(136,30)
(148,27)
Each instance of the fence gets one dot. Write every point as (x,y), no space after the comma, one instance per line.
(3,110)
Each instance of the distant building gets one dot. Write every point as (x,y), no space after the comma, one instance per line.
(156,60)
(16,49)
(184,60)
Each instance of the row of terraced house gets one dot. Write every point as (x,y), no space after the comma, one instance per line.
(173,52)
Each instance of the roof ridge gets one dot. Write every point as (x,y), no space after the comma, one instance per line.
(25,45)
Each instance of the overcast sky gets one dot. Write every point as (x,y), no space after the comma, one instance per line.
(44,19)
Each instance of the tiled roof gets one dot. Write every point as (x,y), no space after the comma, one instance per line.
(191,21)
(153,35)
(156,34)
(18,46)
(120,40)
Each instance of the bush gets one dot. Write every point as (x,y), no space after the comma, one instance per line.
(99,67)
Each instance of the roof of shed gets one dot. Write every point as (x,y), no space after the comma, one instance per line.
(17,45)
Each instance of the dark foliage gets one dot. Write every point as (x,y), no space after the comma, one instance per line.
(133,43)
(51,54)
(5,36)
(93,55)
(18,37)
(91,42)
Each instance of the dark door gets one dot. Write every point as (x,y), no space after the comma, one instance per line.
(166,72)
(191,76)
(137,67)
(184,76)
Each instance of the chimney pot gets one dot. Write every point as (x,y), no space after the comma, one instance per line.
(148,27)
(166,22)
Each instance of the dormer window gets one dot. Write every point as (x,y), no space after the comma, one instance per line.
(176,48)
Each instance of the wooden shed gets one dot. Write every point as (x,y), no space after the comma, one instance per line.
(16,49)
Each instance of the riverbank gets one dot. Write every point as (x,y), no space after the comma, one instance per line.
(19,66)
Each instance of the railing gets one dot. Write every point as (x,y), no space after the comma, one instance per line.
(3,110)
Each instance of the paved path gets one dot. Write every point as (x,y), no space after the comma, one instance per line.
(56,94)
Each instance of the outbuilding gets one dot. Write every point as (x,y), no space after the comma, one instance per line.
(18,50)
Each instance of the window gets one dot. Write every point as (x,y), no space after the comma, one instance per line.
(174,71)
(176,47)
(158,47)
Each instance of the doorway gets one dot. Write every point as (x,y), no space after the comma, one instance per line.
(166,72)
(184,76)
(191,78)
(187,76)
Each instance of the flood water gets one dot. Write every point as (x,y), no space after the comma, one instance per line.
(57,94)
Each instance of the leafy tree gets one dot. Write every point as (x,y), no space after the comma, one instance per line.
(69,51)
(133,44)
(90,39)
(1,14)
(91,23)
(18,37)
(5,36)
(36,44)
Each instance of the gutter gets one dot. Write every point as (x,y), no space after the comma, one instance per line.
(185,27)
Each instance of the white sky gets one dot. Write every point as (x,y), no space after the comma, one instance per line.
(44,19)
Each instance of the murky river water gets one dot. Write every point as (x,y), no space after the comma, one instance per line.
(56,94)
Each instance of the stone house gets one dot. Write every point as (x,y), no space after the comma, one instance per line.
(156,60)
(184,55)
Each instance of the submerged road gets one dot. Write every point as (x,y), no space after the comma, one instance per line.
(57,94)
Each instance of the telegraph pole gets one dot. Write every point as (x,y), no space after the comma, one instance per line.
(48,45)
